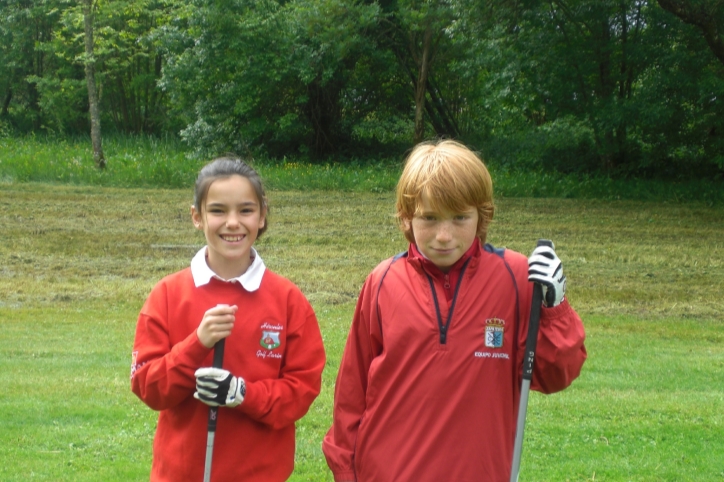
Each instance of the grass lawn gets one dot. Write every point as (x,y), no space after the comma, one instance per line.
(78,262)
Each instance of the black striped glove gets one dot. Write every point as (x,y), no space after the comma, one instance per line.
(217,387)
(545,268)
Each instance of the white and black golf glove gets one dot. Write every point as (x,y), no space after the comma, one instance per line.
(545,268)
(217,387)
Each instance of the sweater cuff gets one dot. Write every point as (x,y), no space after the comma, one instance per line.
(251,404)
(557,311)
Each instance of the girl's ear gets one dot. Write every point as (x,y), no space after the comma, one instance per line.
(262,218)
(196,218)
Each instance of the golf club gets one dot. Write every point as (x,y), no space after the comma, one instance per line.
(213,413)
(528,359)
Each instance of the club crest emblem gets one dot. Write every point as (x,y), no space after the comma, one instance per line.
(494,331)
(270,340)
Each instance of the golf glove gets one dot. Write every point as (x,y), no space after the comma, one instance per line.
(545,268)
(217,387)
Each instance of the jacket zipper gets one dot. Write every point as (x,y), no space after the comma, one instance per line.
(443,327)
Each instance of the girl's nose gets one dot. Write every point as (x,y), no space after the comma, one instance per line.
(232,221)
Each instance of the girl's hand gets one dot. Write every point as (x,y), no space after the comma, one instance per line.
(216,324)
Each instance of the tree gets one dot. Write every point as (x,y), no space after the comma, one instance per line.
(610,86)
(93,102)
(260,75)
(24,24)
(707,15)
(132,63)
(419,33)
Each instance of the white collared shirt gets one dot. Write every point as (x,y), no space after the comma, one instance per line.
(250,280)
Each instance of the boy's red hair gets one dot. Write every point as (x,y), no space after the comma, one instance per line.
(452,177)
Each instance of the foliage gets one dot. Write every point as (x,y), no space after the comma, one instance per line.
(47,80)
(281,79)
(610,87)
(619,88)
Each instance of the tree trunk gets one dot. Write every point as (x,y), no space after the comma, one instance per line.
(90,77)
(6,102)
(421,86)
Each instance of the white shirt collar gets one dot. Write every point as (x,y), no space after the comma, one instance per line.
(250,280)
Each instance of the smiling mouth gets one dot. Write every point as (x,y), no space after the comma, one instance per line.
(232,239)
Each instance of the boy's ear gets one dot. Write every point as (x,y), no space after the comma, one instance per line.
(406,227)
(196,218)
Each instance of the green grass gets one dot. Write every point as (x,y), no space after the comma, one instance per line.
(167,163)
(152,162)
(78,262)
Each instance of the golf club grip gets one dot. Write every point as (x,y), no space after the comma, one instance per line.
(218,362)
(219,353)
(533,323)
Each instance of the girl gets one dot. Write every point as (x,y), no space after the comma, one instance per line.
(273,357)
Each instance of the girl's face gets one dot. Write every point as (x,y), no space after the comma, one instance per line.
(443,236)
(230,218)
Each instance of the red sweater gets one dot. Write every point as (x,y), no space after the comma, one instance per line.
(254,441)
(427,398)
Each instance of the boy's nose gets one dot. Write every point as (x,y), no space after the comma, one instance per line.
(444,233)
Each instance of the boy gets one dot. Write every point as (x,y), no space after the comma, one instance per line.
(429,382)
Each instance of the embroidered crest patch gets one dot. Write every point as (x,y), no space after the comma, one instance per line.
(494,331)
(270,340)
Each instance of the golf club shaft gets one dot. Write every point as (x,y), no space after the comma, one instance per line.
(528,360)
(213,414)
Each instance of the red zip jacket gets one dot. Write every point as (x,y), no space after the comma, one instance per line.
(428,389)
(275,346)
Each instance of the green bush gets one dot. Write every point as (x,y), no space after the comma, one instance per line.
(565,145)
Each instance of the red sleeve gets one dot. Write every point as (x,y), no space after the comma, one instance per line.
(560,352)
(279,402)
(161,375)
(364,343)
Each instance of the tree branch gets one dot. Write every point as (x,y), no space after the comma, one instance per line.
(702,14)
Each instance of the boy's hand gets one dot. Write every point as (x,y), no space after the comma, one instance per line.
(216,324)
(545,268)
(217,387)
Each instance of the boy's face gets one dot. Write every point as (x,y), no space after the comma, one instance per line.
(443,236)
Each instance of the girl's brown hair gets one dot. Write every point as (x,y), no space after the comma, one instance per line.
(452,177)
